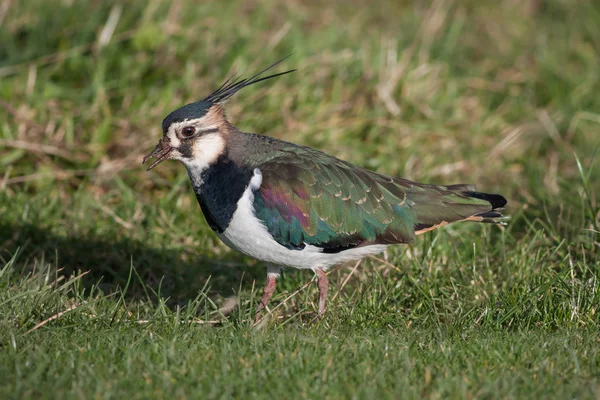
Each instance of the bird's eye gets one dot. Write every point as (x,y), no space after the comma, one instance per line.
(188,131)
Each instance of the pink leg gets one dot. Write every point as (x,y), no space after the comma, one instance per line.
(269,289)
(267,292)
(323,285)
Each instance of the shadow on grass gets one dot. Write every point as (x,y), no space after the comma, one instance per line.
(178,275)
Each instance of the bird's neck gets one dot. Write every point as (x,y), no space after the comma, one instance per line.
(218,187)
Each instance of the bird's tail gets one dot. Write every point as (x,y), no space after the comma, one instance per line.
(438,208)
(494,216)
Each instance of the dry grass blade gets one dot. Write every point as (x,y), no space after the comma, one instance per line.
(346,280)
(56,175)
(109,27)
(4,10)
(113,215)
(270,312)
(54,317)
(230,304)
(381,260)
(191,321)
(505,143)
(41,148)
(17,115)
(61,56)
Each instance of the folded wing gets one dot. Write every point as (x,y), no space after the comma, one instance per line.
(309,197)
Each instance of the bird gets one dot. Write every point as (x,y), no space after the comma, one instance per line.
(290,205)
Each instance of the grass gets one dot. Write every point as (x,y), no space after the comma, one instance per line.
(107,272)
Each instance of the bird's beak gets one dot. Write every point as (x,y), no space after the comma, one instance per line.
(161,152)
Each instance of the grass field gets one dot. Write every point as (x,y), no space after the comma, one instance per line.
(109,274)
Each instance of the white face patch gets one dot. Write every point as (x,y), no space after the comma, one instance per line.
(205,151)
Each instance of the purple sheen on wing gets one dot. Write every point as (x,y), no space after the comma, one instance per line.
(284,204)
(301,192)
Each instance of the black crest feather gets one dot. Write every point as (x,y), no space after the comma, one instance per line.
(234,84)
(230,87)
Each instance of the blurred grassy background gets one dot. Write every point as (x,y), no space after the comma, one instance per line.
(502,94)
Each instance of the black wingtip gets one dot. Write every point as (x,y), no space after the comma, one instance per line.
(497,201)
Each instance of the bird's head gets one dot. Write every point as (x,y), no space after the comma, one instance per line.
(195,134)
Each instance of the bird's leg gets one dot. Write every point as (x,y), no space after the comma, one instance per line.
(269,289)
(323,285)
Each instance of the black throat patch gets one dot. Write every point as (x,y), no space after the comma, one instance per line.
(223,184)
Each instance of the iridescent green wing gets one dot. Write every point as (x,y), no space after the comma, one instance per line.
(308,197)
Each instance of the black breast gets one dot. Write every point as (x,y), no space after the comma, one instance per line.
(223,184)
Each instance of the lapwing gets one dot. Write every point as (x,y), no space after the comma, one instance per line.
(293,206)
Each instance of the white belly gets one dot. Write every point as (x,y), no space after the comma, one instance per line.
(248,235)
